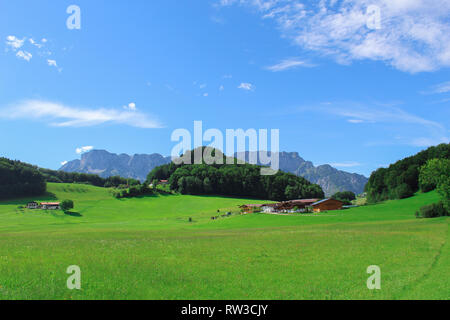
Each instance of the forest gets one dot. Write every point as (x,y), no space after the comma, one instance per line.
(401,179)
(20,179)
(243,180)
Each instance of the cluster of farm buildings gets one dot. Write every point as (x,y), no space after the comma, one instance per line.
(44,205)
(294,206)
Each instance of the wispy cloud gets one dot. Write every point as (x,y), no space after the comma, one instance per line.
(288,64)
(14,43)
(131,106)
(412,129)
(440,88)
(36,44)
(84,149)
(428,142)
(345,164)
(52,63)
(357,113)
(356,121)
(246,86)
(60,115)
(25,55)
(414,35)
(27,48)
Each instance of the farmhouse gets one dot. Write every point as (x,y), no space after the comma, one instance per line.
(163,182)
(33,205)
(280,207)
(294,205)
(251,208)
(51,205)
(327,205)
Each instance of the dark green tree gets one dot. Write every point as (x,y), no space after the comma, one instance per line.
(66,205)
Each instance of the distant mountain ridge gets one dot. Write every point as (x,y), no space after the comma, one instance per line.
(330,179)
(106,164)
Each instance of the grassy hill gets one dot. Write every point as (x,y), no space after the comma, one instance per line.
(145,248)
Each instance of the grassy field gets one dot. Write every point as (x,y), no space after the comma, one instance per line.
(145,248)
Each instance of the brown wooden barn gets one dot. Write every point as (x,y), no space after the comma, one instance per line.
(287,206)
(327,205)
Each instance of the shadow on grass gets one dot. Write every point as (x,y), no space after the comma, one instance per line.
(153,195)
(73,214)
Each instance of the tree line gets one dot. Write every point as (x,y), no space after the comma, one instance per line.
(20,179)
(92,179)
(401,179)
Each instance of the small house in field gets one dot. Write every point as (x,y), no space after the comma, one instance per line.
(251,208)
(163,182)
(291,206)
(33,205)
(327,205)
(51,205)
(269,208)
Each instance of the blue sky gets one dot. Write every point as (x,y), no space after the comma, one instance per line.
(340,92)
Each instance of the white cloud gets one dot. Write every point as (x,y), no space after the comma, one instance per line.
(34,43)
(26,48)
(14,42)
(289,64)
(202,86)
(227,76)
(52,63)
(206,94)
(414,35)
(246,86)
(346,164)
(60,115)
(131,106)
(221,88)
(64,162)
(25,55)
(85,149)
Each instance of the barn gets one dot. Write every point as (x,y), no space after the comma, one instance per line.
(327,205)
(51,205)
(292,206)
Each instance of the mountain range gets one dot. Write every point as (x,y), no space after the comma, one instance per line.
(106,164)
(330,179)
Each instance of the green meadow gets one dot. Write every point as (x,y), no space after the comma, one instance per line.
(146,248)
